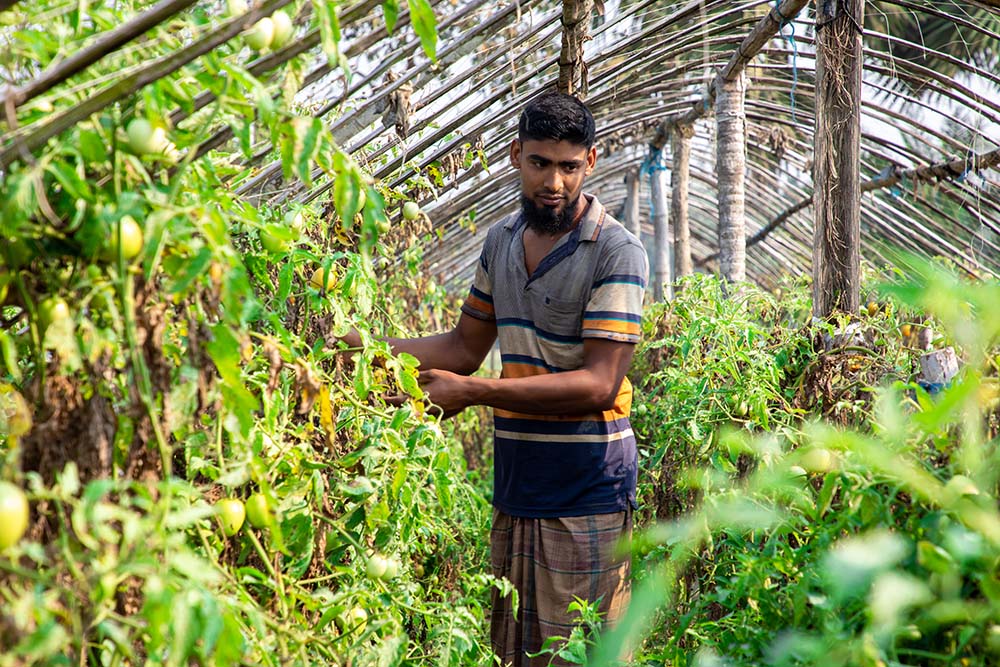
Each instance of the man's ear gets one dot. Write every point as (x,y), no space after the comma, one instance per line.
(515,154)
(591,160)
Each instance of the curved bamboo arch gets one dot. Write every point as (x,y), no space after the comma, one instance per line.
(647,68)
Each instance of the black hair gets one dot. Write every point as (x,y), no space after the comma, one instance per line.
(559,117)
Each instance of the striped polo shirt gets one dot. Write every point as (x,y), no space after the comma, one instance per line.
(590,285)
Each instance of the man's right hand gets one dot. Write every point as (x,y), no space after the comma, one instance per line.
(352,338)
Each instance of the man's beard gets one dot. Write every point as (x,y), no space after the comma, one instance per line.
(546,219)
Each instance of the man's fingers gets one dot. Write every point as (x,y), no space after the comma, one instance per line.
(396,399)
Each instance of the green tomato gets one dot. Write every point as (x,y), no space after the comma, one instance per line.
(131,240)
(260,36)
(392,566)
(283,29)
(13,514)
(146,138)
(411,211)
(272,242)
(818,459)
(353,620)
(52,310)
(958,487)
(231,513)
(258,511)
(797,471)
(376,566)
(295,221)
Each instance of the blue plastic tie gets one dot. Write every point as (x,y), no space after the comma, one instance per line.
(795,54)
(653,162)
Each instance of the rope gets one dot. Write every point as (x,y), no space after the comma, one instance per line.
(786,20)
(655,161)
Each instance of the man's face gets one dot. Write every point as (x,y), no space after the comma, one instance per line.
(552,175)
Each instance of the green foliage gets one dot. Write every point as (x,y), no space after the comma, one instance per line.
(809,543)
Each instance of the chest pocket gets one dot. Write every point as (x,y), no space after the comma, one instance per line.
(558,319)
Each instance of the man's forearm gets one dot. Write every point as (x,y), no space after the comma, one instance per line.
(440,351)
(568,393)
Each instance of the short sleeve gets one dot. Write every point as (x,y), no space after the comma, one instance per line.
(479,302)
(614,310)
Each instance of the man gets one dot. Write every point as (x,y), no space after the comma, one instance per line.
(561,283)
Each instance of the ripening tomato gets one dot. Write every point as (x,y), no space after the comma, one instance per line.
(13,514)
(319,284)
(131,240)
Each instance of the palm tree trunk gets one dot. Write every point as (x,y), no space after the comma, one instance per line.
(680,177)
(575,26)
(631,208)
(661,233)
(836,169)
(731,170)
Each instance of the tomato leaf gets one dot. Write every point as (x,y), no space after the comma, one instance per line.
(425,25)
(390,8)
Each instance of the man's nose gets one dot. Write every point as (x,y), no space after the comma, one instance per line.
(553,180)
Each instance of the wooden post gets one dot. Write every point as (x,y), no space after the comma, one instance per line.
(730,165)
(631,209)
(836,167)
(680,177)
(662,284)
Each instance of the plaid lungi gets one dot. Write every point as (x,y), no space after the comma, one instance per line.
(550,561)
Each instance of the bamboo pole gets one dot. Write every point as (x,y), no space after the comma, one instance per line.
(836,169)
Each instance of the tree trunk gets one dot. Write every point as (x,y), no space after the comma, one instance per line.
(572,68)
(836,168)
(630,214)
(731,170)
(662,285)
(680,177)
